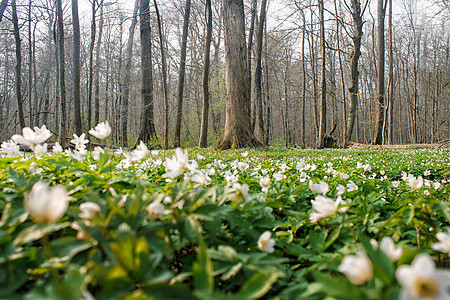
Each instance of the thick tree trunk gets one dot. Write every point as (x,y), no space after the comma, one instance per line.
(127,77)
(356,53)
(391,80)
(323,89)
(97,68)
(148,132)
(76,68)
(164,77)
(377,138)
(260,132)
(237,132)
(18,85)
(203,141)
(181,74)
(62,80)
(3,5)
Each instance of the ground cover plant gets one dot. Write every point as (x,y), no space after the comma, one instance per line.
(264,223)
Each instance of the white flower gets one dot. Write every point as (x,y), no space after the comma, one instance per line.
(415,183)
(244,154)
(33,170)
(40,150)
(265,242)
(264,182)
(89,210)
(242,166)
(177,164)
(427,173)
(396,183)
(324,207)
(57,149)
(279,176)
(231,178)
(201,178)
(340,190)
(101,131)
(140,152)
(388,247)
(46,205)
(240,191)
(444,242)
(422,280)
(319,188)
(31,137)
(10,148)
(301,165)
(351,186)
(97,151)
(343,176)
(79,141)
(359,165)
(155,211)
(340,201)
(436,185)
(358,269)
(200,157)
(367,168)
(303,177)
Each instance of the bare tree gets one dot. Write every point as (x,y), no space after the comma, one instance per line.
(323,89)
(237,132)
(97,67)
(18,65)
(203,141)
(260,133)
(76,68)
(3,5)
(181,74)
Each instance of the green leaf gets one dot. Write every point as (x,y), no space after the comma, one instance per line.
(383,268)
(202,269)
(36,232)
(257,286)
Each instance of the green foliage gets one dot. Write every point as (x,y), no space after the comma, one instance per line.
(201,240)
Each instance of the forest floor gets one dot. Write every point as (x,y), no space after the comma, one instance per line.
(445,144)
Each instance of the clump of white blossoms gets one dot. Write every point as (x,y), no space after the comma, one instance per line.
(266,242)
(46,205)
(358,269)
(10,148)
(387,245)
(324,207)
(101,131)
(31,138)
(57,149)
(351,186)
(240,192)
(176,165)
(444,242)
(422,280)
(155,211)
(319,188)
(201,178)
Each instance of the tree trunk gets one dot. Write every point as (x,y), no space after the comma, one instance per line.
(203,142)
(377,139)
(249,58)
(91,66)
(303,84)
(259,132)
(62,80)
(30,67)
(148,132)
(323,89)
(18,68)
(356,53)
(76,68)
(181,74)
(3,5)
(391,79)
(97,68)
(127,76)
(237,132)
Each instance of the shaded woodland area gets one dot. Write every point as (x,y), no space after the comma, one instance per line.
(369,71)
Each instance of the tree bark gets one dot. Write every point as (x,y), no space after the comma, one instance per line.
(203,141)
(391,79)
(260,132)
(377,138)
(164,77)
(3,5)
(237,132)
(127,77)
(91,65)
(354,74)
(181,74)
(18,68)
(76,68)
(62,80)
(249,59)
(323,89)
(97,68)
(148,132)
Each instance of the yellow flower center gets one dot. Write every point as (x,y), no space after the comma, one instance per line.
(425,288)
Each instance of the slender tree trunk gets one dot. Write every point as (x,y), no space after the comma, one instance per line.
(148,132)
(266,89)
(205,80)
(30,67)
(127,76)
(237,132)
(377,139)
(62,80)
(303,84)
(323,90)
(391,79)
(76,68)
(91,65)
(181,74)
(3,5)
(18,68)
(260,133)
(249,59)
(354,74)
(97,68)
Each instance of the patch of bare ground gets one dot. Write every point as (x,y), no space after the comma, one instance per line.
(445,144)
